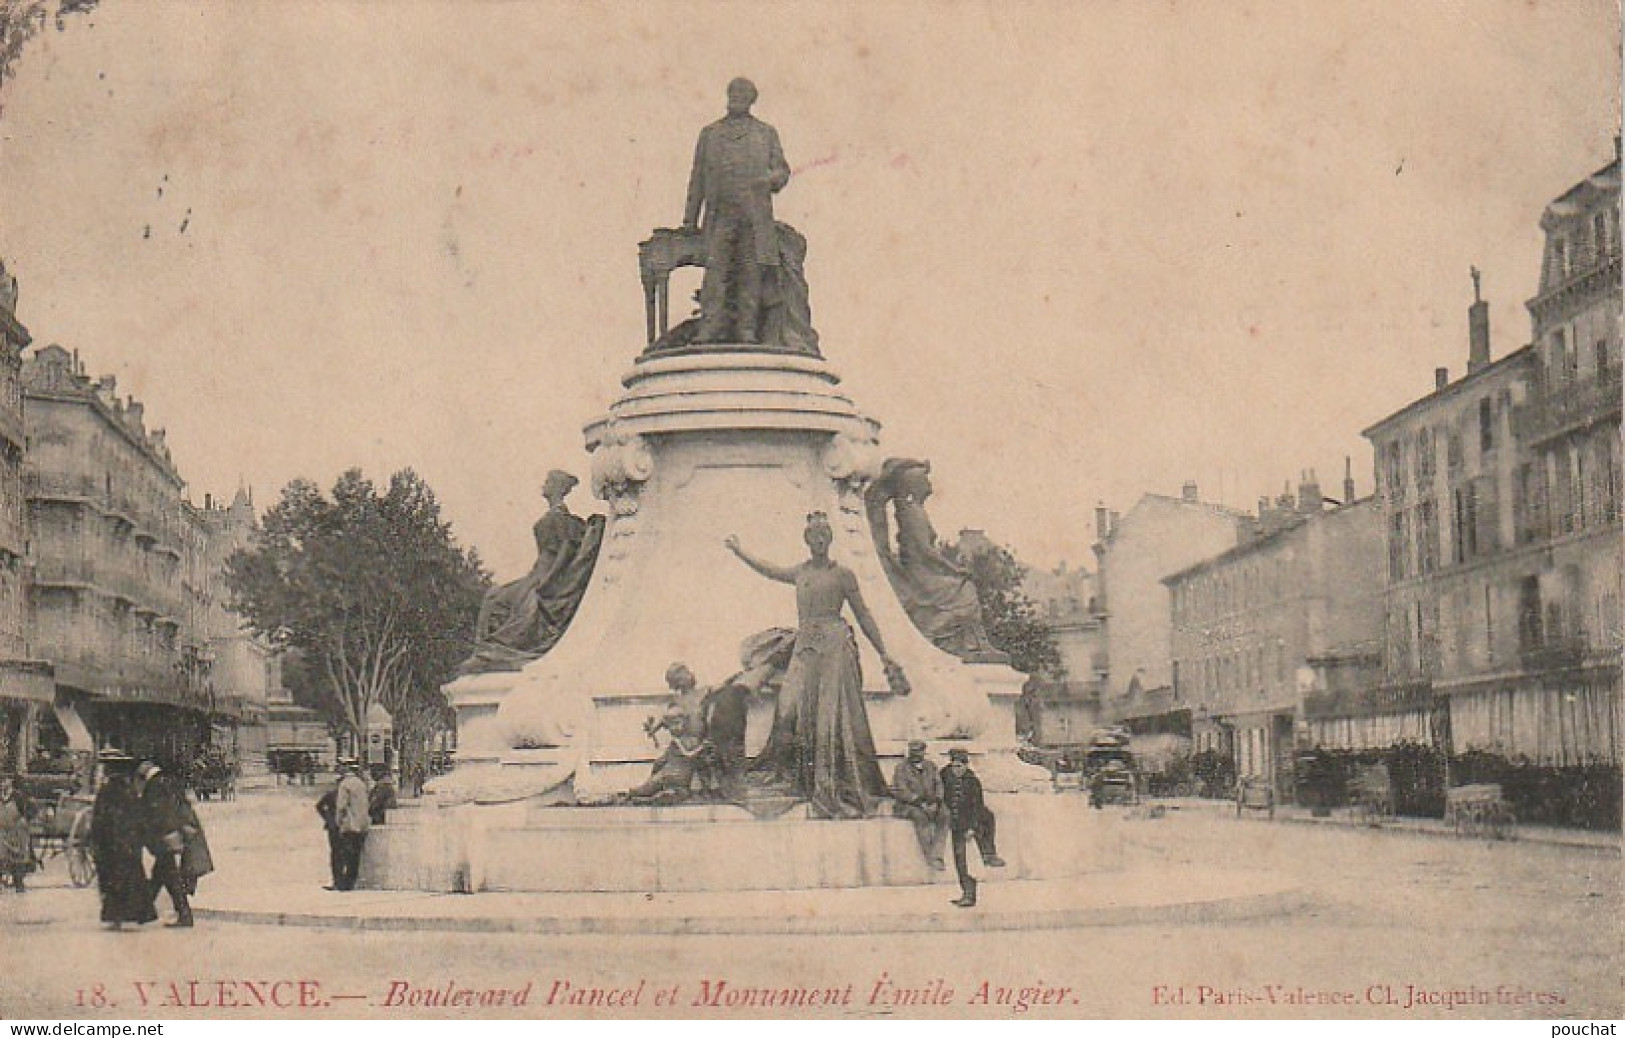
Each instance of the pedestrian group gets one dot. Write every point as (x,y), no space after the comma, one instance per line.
(142,810)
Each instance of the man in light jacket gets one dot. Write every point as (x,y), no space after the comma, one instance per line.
(352,819)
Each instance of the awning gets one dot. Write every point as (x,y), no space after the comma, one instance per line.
(78,735)
(156,695)
(27,680)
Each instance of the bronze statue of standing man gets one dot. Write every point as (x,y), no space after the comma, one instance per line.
(738,167)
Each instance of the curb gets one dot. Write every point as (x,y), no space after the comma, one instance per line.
(1516,835)
(1248,906)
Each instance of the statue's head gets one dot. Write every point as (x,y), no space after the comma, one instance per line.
(916,751)
(915,480)
(818,534)
(558,485)
(741,95)
(679,677)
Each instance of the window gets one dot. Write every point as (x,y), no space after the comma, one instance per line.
(1487,511)
(1563,503)
(1577,473)
(1530,617)
(1529,504)
(1560,259)
(1602,360)
(1396,547)
(1557,359)
(1424,460)
(1453,453)
(1486,424)
(1393,470)
(1608,463)
(1599,235)
(1464,528)
(1427,537)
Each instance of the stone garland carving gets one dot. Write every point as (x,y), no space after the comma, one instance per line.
(851,462)
(621,464)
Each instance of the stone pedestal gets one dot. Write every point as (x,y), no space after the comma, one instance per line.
(698,447)
(519,847)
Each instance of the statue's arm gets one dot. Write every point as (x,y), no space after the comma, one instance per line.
(696,186)
(860,609)
(778,169)
(784,575)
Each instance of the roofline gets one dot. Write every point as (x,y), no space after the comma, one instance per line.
(1520,354)
(1261,541)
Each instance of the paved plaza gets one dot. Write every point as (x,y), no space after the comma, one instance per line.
(1324,921)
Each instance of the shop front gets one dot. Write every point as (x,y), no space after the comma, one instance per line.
(27,691)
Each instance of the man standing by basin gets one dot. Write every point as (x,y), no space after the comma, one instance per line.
(352,819)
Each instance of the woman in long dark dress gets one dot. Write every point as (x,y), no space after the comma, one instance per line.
(820,742)
(116,843)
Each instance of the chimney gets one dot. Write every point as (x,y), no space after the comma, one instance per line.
(1117,517)
(1441,379)
(208,502)
(1478,329)
(1310,500)
(1348,480)
(1101,527)
(1189,491)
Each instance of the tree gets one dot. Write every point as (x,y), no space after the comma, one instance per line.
(22,20)
(1014,624)
(372,593)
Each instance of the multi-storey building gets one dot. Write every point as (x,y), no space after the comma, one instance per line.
(1159,536)
(1067,710)
(244,671)
(26,690)
(1556,697)
(1500,496)
(1257,629)
(116,563)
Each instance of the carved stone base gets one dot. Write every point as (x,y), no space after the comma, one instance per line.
(701,446)
(712,848)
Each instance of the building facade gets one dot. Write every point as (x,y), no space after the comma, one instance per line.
(244,671)
(1259,629)
(1159,536)
(26,689)
(1500,497)
(115,597)
(1068,710)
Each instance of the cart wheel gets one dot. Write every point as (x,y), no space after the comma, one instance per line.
(81,868)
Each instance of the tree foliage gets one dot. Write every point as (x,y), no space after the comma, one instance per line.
(1014,622)
(370,590)
(22,20)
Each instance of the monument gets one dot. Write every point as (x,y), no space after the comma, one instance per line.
(730,450)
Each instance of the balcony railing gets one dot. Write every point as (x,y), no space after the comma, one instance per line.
(1553,654)
(1563,408)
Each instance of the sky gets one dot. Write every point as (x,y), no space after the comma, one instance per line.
(1069,252)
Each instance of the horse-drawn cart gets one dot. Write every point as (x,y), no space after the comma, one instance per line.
(1371,792)
(61,828)
(1479,810)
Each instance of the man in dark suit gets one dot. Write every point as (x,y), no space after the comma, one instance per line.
(163,818)
(738,167)
(916,789)
(968,816)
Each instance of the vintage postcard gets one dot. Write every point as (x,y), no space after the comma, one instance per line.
(543,510)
